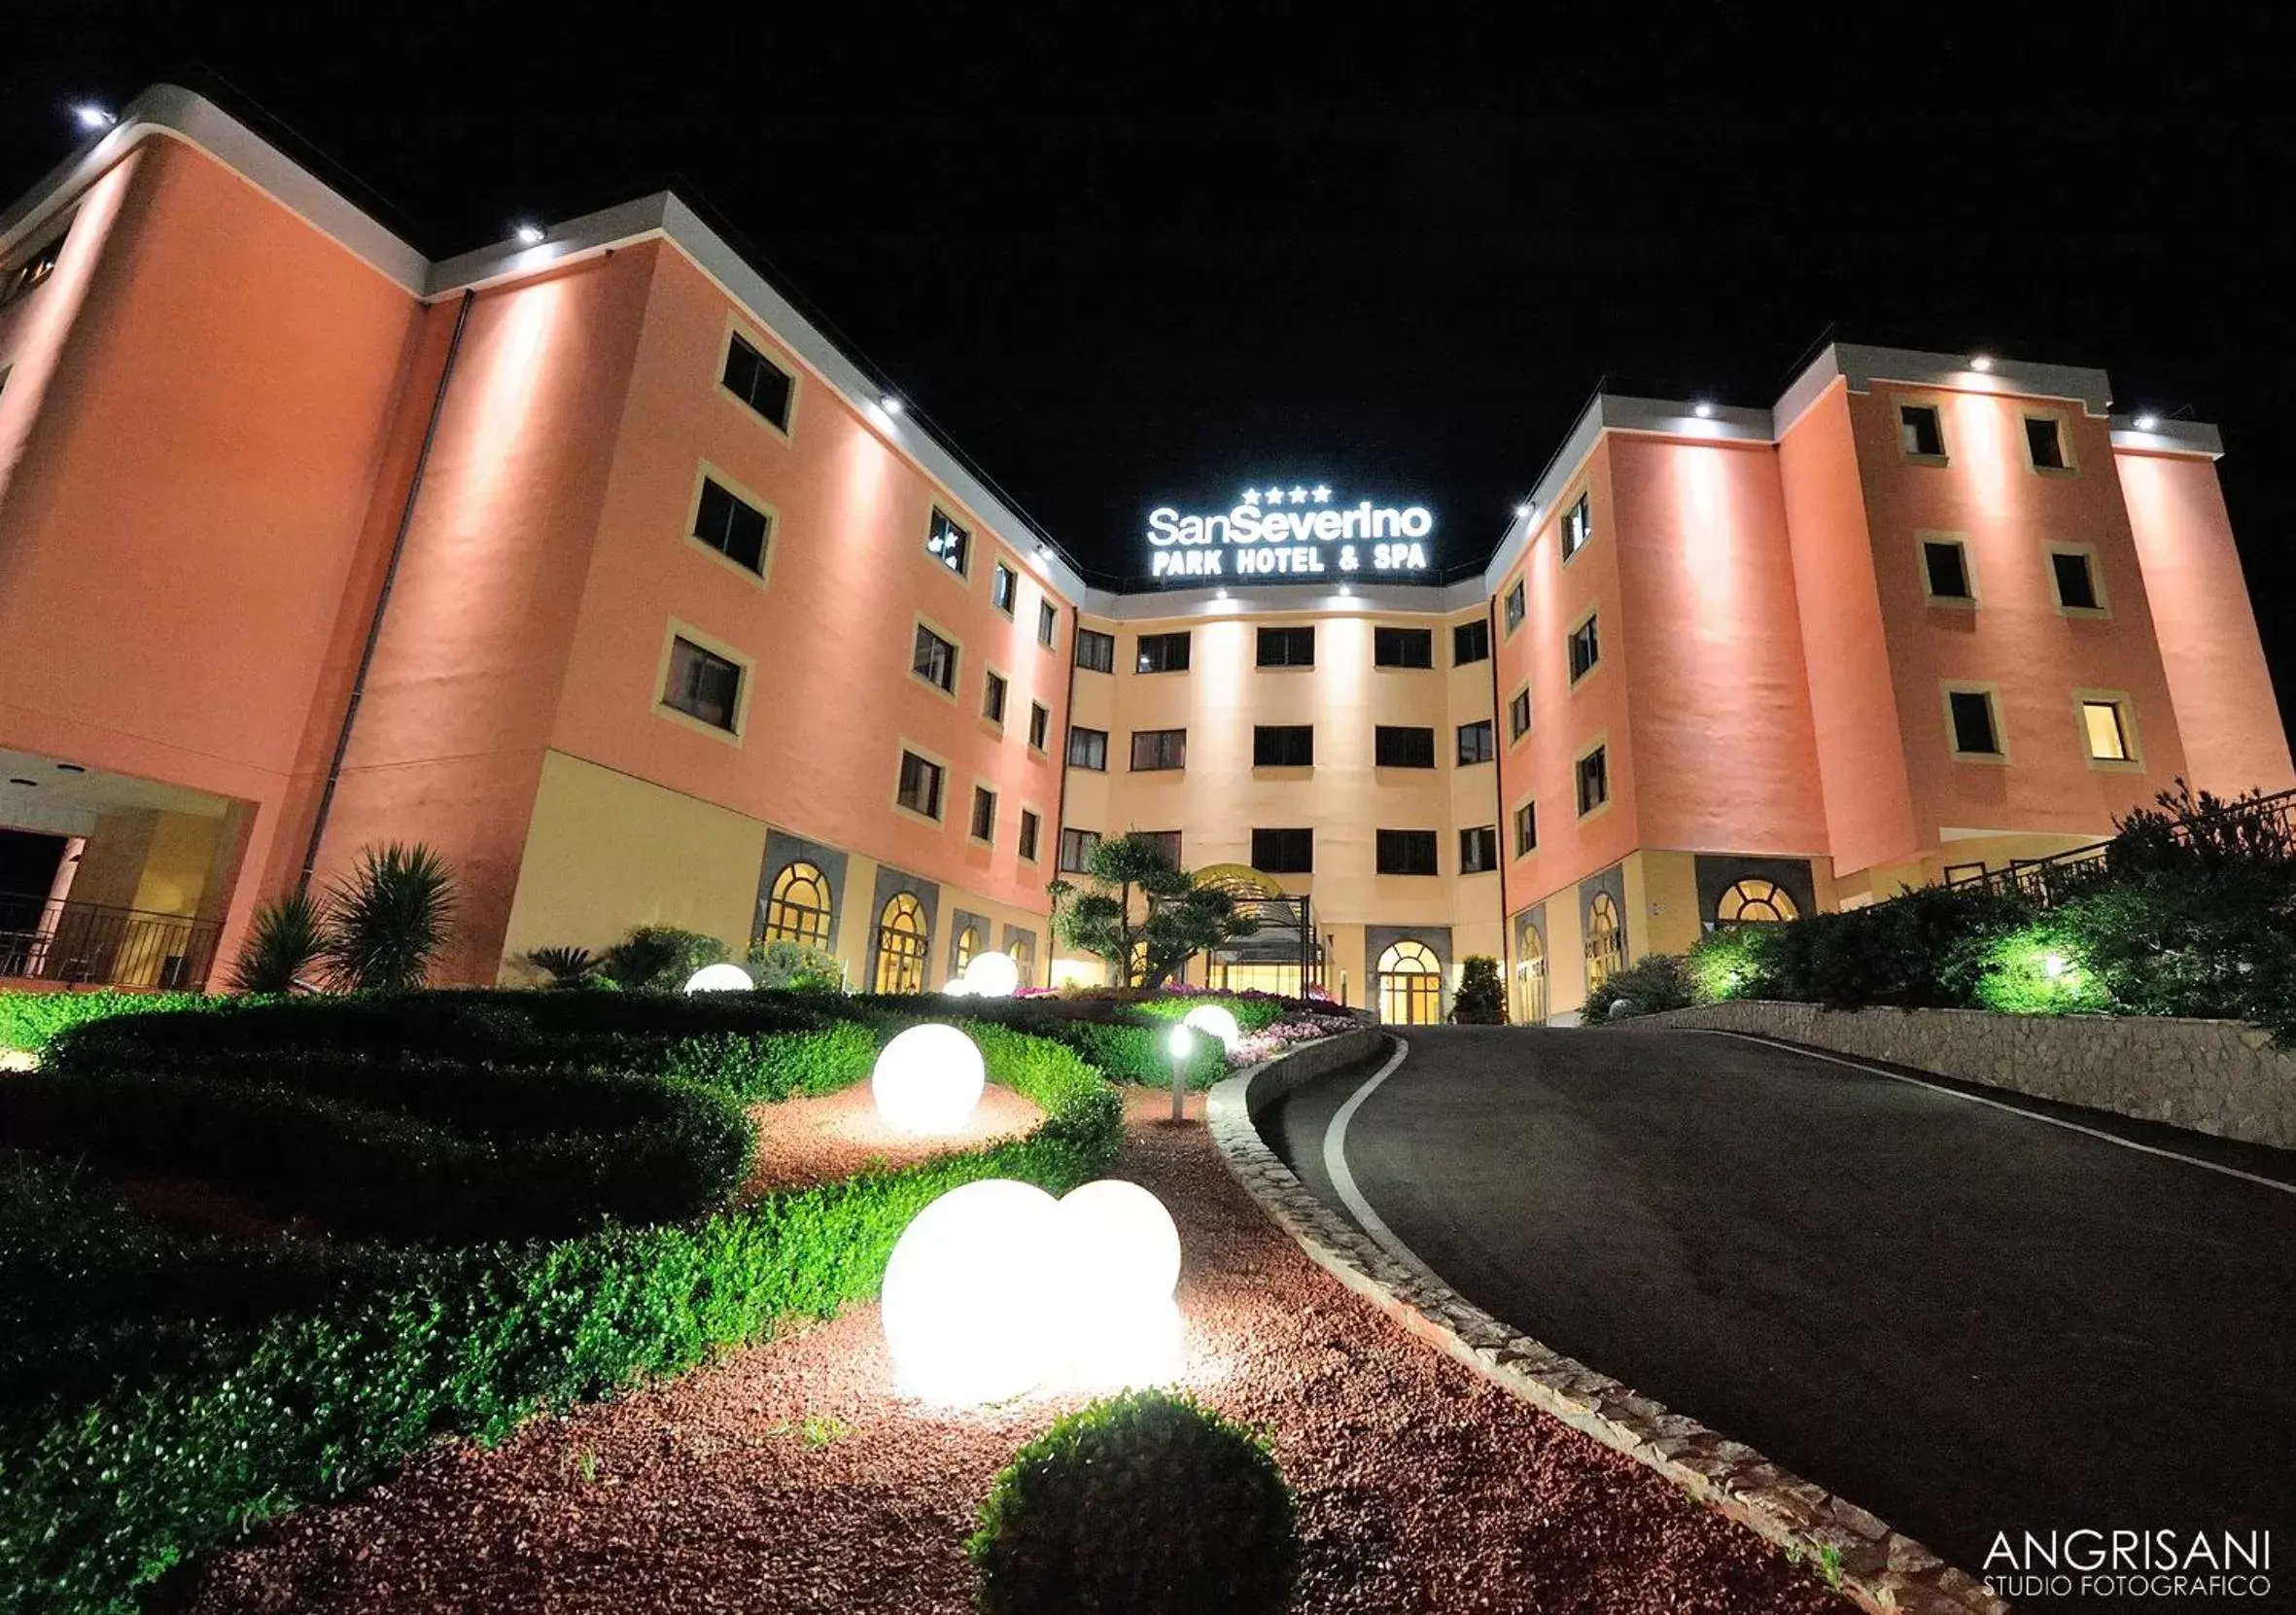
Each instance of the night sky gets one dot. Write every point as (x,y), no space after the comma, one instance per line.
(1149,260)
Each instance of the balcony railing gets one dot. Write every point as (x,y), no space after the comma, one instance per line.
(2251,826)
(95,944)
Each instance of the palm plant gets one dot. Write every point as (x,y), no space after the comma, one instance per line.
(390,918)
(284,945)
(566,966)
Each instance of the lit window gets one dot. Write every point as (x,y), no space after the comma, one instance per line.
(1160,652)
(1945,566)
(2108,730)
(1519,715)
(1606,939)
(1283,746)
(1526,829)
(1402,648)
(799,909)
(1048,622)
(1476,743)
(960,955)
(1577,526)
(1410,980)
(1040,725)
(1076,851)
(993,694)
(758,382)
(1398,745)
(2077,582)
(1004,586)
(1594,779)
(1285,852)
(1096,651)
(2044,441)
(1974,731)
(921,785)
(901,945)
(1030,828)
(948,544)
(703,684)
(1585,649)
(935,660)
(1405,853)
(1478,850)
(1515,607)
(1087,748)
(1919,434)
(1286,647)
(1752,900)
(1158,750)
(732,526)
(983,825)
(1470,642)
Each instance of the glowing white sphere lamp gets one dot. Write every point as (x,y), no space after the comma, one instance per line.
(928,1080)
(1214,1022)
(1118,1256)
(993,976)
(719,978)
(957,987)
(970,1307)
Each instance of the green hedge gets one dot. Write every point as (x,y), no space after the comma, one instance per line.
(1139,1055)
(29,1021)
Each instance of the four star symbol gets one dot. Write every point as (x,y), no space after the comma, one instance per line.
(1320,494)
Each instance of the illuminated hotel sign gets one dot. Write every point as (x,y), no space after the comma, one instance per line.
(1278,532)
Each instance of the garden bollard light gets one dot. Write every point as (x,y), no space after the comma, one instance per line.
(1181,1042)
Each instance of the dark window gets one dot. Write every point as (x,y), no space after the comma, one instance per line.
(1470,642)
(1585,649)
(948,544)
(1164,844)
(703,684)
(1478,850)
(1287,648)
(1087,748)
(1030,823)
(935,659)
(1519,715)
(1973,723)
(992,698)
(1076,851)
(2045,442)
(1159,748)
(758,382)
(1595,779)
(2076,585)
(1040,724)
(921,785)
(1395,746)
(1003,585)
(731,526)
(1160,652)
(1918,431)
(1515,607)
(1283,746)
(1948,569)
(1526,829)
(1285,852)
(1476,743)
(1402,648)
(1096,651)
(983,814)
(32,270)
(1577,526)
(1048,622)
(1407,853)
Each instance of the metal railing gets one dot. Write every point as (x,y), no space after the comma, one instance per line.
(2235,828)
(97,944)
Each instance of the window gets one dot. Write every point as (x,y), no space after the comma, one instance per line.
(921,785)
(1164,844)
(1283,746)
(1023,949)
(984,825)
(2045,441)
(1594,779)
(1040,725)
(1287,648)
(1160,652)
(1004,585)
(1975,733)
(1606,939)
(1478,850)
(1750,900)
(1402,648)
(1518,713)
(1096,651)
(1515,607)
(1410,980)
(1526,829)
(733,527)
(1155,749)
(1585,649)
(960,954)
(32,270)
(1476,743)
(1394,746)
(1919,436)
(1285,852)
(1577,526)
(1407,853)
(2107,729)
(948,544)
(1945,571)
(2076,580)
(1032,826)
(1470,642)
(1048,622)
(1087,749)
(1076,851)
(799,909)
(993,694)
(935,660)
(758,381)
(703,684)
(901,945)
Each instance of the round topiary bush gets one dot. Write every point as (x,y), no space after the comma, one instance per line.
(1143,1504)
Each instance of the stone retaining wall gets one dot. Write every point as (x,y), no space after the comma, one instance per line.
(2215,1076)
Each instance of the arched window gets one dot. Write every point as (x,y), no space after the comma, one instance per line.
(968,943)
(1024,952)
(1756,900)
(1530,978)
(798,910)
(901,945)
(1410,984)
(1606,939)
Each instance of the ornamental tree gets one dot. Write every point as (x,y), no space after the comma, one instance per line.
(1142,915)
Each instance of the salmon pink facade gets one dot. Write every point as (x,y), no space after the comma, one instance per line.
(597,567)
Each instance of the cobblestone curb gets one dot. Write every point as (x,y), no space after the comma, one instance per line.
(1882,1569)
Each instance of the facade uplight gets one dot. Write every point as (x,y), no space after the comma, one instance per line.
(528,236)
(2147,421)
(1981,362)
(891,405)
(94,117)
(1703,409)
(1521,511)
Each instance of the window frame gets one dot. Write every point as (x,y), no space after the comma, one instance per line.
(946,692)
(1381,737)
(1040,728)
(1107,667)
(1947,689)
(1490,742)
(1306,868)
(981,790)
(1178,857)
(1048,623)
(707,472)
(1087,840)
(939,512)
(1519,702)
(1513,607)
(995,679)
(1476,624)
(1395,635)
(1284,729)
(1005,581)
(2124,710)
(1588,624)
(1433,842)
(1028,835)
(903,748)
(1899,403)
(2059,422)
(1285,632)
(1959,541)
(1467,838)
(1579,511)
(739,331)
(1069,751)
(1598,747)
(1515,823)
(788,921)
(679,629)
(1161,739)
(2087,553)
(1187,641)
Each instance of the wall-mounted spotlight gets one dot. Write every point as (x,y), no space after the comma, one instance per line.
(1981,362)
(1522,510)
(2147,421)
(94,117)
(1703,409)
(889,403)
(527,235)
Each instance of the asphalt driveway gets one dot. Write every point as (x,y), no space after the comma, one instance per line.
(1962,1317)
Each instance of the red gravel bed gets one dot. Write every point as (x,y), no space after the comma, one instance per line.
(786,1479)
(803,1141)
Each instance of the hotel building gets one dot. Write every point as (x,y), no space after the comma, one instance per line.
(591,562)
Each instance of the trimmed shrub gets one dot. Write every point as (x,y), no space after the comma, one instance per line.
(661,959)
(1661,981)
(1139,1055)
(783,965)
(1253,1011)
(1481,999)
(1147,1502)
(30,1021)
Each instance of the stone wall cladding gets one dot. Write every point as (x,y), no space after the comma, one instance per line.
(2224,1077)
(1881,1570)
